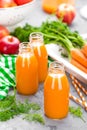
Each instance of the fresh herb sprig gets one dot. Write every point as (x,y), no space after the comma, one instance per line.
(10,107)
(34,117)
(77,112)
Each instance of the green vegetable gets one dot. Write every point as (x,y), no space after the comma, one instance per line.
(23,33)
(6,103)
(76,111)
(54,32)
(34,117)
(50,60)
(10,107)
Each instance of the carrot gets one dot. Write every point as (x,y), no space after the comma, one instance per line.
(78,65)
(84,50)
(79,56)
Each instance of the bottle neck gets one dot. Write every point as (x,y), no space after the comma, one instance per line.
(25,47)
(56,67)
(36,37)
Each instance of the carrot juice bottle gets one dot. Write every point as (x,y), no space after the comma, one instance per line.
(26,70)
(36,40)
(49,6)
(56,92)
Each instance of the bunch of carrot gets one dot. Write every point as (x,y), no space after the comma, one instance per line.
(59,33)
(79,58)
(75,45)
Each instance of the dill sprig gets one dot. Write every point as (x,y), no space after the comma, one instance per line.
(34,117)
(77,112)
(10,107)
(6,103)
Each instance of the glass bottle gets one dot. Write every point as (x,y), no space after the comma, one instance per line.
(50,6)
(26,70)
(56,92)
(36,40)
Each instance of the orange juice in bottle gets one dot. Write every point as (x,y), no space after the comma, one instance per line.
(56,92)
(49,6)
(72,2)
(36,40)
(26,70)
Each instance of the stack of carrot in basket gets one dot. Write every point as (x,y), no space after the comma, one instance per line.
(79,58)
(78,87)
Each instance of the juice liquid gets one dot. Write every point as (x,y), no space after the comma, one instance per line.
(72,2)
(49,6)
(56,95)
(41,55)
(26,73)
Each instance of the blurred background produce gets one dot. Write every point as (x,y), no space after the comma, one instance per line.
(64,9)
(7,3)
(11,14)
(66,12)
(11,3)
(21,2)
(50,6)
(3,31)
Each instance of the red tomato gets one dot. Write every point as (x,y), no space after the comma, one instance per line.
(21,2)
(3,31)
(7,3)
(66,12)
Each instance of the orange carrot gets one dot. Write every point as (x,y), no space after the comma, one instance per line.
(84,50)
(78,65)
(79,56)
